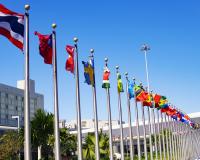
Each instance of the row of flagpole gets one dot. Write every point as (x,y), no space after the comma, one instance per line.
(172,144)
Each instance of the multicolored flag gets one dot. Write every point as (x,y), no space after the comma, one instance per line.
(119,83)
(12,26)
(160,101)
(131,89)
(45,47)
(106,75)
(69,66)
(156,98)
(89,72)
(140,93)
(170,111)
(163,103)
(148,101)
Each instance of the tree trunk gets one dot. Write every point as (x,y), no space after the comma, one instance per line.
(39,152)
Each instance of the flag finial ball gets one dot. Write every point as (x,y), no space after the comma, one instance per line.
(106,60)
(126,73)
(27,7)
(54,25)
(92,50)
(75,39)
(117,67)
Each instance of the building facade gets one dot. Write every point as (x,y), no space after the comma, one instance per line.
(12,103)
(89,123)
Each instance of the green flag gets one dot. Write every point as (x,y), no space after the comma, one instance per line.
(119,83)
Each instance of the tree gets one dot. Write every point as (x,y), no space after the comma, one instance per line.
(89,146)
(68,143)
(41,130)
(10,144)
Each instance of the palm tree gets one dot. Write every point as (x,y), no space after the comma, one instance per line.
(41,129)
(89,146)
(68,143)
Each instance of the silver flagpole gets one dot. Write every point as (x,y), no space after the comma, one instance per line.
(159,137)
(146,48)
(136,120)
(95,111)
(163,136)
(109,117)
(175,139)
(129,119)
(56,110)
(170,123)
(78,107)
(154,128)
(166,137)
(144,130)
(179,140)
(177,147)
(169,137)
(120,121)
(150,133)
(182,139)
(186,143)
(27,132)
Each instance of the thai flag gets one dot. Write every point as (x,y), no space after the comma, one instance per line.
(12,26)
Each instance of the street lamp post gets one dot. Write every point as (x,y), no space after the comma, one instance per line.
(18,127)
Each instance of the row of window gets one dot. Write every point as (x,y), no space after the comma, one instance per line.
(14,99)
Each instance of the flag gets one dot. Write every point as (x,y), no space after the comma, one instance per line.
(163,103)
(12,26)
(69,66)
(106,75)
(170,111)
(160,101)
(45,47)
(88,72)
(156,98)
(119,83)
(140,94)
(164,110)
(148,102)
(131,89)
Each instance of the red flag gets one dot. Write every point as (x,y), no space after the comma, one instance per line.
(142,96)
(148,102)
(45,47)
(163,110)
(69,66)
(157,100)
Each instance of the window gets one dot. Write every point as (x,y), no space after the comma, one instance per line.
(6,106)
(84,123)
(16,108)
(6,95)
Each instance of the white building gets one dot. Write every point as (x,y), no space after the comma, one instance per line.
(88,124)
(12,103)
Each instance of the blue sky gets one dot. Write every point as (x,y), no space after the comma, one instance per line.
(115,30)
